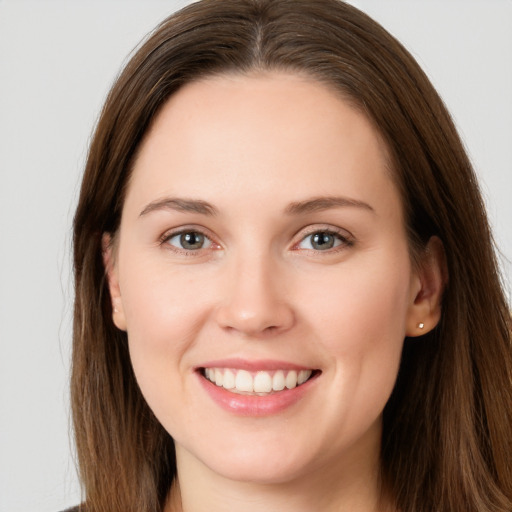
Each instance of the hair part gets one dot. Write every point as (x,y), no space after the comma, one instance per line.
(447,435)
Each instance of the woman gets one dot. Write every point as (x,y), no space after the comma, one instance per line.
(286,290)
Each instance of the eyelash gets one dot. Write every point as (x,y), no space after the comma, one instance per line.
(166,237)
(345,240)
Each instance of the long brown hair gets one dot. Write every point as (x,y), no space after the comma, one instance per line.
(447,435)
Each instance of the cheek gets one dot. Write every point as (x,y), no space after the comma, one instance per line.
(360,325)
(164,311)
(163,306)
(362,303)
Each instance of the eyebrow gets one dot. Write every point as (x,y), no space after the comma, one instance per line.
(317,204)
(180,205)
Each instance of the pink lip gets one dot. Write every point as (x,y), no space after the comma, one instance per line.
(252,405)
(252,366)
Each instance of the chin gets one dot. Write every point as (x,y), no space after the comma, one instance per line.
(261,461)
(261,471)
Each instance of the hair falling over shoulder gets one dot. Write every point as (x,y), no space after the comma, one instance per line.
(447,437)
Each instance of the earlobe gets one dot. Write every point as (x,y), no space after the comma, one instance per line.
(431,278)
(118,316)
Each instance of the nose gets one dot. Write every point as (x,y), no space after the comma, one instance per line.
(255,302)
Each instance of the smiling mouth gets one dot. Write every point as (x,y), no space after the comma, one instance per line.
(258,383)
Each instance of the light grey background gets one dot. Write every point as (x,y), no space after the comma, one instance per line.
(57,60)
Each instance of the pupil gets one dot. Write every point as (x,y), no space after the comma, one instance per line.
(322,241)
(192,240)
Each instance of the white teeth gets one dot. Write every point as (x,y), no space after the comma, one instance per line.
(303,376)
(229,380)
(291,379)
(278,381)
(262,382)
(243,381)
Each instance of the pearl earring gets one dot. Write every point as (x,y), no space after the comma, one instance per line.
(421,325)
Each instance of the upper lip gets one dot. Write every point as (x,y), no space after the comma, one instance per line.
(253,364)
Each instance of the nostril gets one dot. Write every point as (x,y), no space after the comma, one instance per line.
(257,319)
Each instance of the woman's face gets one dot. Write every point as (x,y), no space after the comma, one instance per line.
(262,244)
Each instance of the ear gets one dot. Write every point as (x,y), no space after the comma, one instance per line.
(426,295)
(108,250)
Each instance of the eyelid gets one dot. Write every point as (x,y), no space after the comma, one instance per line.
(346,237)
(171,233)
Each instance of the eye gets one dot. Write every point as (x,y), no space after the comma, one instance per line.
(189,241)
(322,241)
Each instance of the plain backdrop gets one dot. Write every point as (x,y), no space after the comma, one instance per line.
(57,60)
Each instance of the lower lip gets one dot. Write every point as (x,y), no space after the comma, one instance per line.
(254,405)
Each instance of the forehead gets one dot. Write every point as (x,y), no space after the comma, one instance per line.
(242,134)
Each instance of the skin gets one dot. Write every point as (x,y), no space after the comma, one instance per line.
(251,146)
